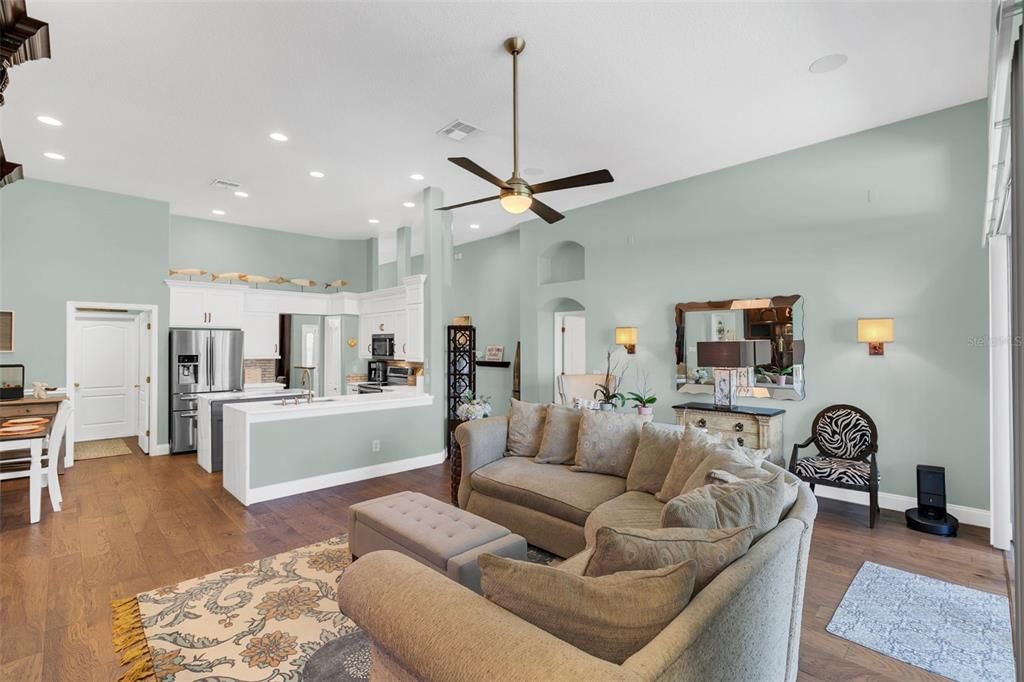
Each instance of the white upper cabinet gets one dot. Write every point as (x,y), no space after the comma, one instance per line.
(205,305)
(413,344)
(261,336)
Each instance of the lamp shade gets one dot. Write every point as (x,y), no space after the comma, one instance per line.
(875,330)
(625,336)
(727,354)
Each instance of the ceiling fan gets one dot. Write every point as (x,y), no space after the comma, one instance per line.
(516,195)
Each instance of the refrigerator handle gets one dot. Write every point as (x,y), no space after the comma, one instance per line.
(209,361)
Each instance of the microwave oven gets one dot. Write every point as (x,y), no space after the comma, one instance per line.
(382,346)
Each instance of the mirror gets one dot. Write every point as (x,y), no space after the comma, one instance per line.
(778,320)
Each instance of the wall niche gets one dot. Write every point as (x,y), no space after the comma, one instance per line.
(562,262)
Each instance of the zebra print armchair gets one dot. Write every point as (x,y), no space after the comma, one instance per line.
(847,443)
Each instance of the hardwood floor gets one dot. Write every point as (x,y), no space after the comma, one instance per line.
(134,523)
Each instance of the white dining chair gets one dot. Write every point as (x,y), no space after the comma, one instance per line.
(37,470)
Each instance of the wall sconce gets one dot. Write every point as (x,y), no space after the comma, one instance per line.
(876,332)
(626,336)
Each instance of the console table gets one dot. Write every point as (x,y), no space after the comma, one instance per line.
(752,427)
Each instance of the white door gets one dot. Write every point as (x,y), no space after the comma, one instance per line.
(333,381)
(365,336)
(570,344)
(145,331)
(261,336)
(401,322)
(107,381)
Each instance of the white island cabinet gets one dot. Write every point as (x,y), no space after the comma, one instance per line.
(273,450)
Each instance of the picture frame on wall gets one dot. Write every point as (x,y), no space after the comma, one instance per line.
(495,354)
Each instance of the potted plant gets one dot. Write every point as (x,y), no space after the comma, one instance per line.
(471,408)
(642,398)
(605,393)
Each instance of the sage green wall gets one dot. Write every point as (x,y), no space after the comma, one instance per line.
(60,243)
(218,246)
(880,223)
(340,442)
(485,285)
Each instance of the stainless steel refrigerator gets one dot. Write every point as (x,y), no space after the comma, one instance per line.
(202,361)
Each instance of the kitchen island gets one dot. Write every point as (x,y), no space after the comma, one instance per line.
(273,450)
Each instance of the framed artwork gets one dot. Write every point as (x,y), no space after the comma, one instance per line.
(495,353)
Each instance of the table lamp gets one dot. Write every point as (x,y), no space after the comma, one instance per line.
(726,357)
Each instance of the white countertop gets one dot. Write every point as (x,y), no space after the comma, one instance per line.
(397,397)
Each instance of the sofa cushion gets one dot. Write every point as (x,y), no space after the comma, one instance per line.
(549,488)
(654,455)
(636,549)
(525,427)
(731,460)
(610,617)
(632,509)
(607,442)
(732,505)
(561,429)
(694,445)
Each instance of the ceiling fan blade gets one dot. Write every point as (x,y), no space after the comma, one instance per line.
(581,180)
(465,164)
(466,203)
(549,214)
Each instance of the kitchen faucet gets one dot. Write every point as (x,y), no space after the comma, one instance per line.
(307,381)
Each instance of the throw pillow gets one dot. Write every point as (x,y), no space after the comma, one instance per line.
(732,505)
(607,442)
(694,446)
(792,487)
(561,429)
(610,617)
(724,459)
(638,549)
(654,455)
(525,428)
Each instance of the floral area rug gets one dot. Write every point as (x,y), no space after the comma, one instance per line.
(257,622)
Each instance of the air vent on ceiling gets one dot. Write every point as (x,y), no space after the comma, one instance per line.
(225,184)
(458,130)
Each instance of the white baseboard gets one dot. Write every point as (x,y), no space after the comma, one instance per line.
(972,516)
(161,449)
(305,485)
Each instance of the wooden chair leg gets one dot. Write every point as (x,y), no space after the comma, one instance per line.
(873,499)
(53,487)
(35,481)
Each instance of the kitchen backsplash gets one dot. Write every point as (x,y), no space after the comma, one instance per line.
(267,369)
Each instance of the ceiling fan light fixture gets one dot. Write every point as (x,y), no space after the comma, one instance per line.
(516,203)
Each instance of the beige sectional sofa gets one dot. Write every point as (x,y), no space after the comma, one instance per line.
(744,625)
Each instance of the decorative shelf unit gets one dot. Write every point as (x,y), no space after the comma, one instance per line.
(461,378)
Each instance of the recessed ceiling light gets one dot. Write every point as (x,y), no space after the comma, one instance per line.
(240,193)
(49,120)
(415,176)
(316,174)
(217,211)
(408,204)
(829,62)
(278,137)
(54,155)
(373,221)
(474,226)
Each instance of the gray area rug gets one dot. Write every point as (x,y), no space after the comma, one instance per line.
(347,658)
(948,629)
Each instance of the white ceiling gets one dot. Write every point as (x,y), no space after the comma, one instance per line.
(158,98)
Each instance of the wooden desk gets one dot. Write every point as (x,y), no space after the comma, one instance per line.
(32,407)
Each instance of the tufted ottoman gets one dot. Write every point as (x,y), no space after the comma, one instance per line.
(436,534)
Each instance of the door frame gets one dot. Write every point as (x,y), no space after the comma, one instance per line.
(147,314)
(559,342)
